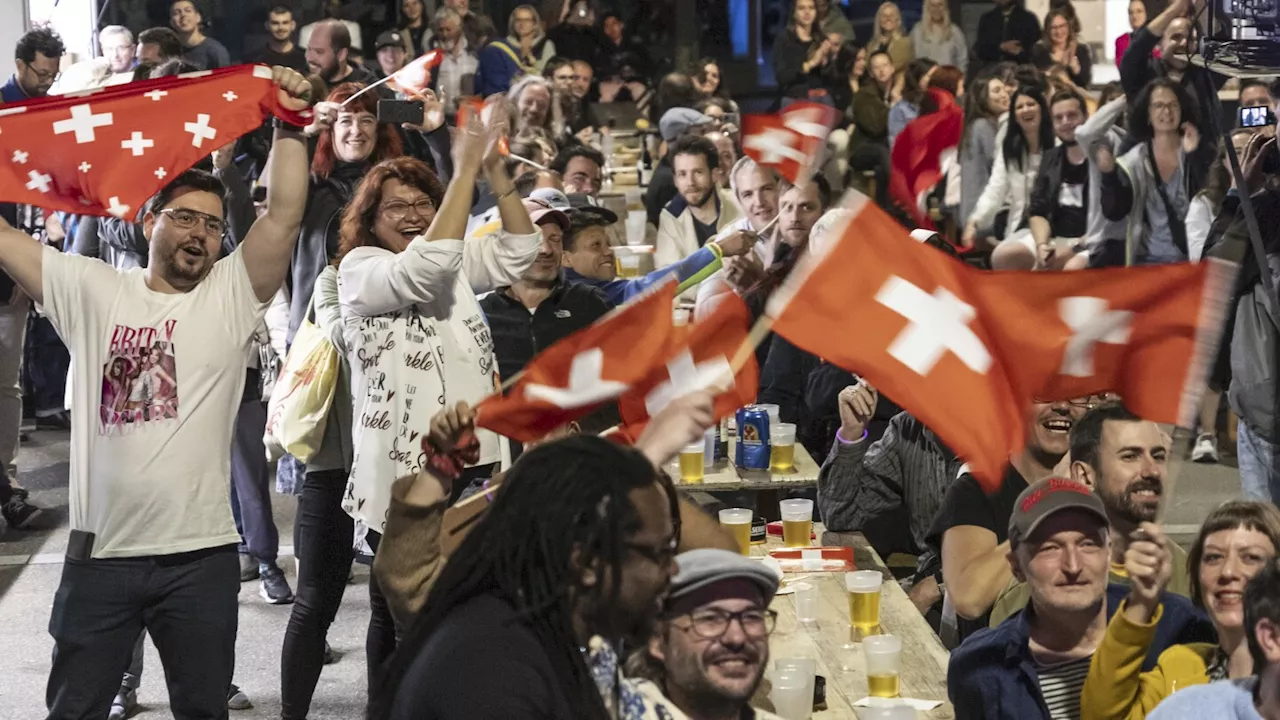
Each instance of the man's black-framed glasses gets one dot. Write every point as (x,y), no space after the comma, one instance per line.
(712,624)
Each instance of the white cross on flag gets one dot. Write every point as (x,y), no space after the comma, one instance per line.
(98,154)
(699,359)
(580,373)
(791,142)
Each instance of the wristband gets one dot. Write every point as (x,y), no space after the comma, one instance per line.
(716,249)
(505,194)
(279,124)
(841,439)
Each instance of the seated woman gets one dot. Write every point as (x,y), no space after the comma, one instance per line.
(1236,541)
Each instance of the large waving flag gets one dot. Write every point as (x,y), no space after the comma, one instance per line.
(106,151)
(916,157)
(967,351)
(791,142)
(582,372)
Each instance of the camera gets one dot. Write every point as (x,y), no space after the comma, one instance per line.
(1255,117)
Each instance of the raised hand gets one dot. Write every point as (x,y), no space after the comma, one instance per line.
(432,112)
(1190,137)
(1104,158)
(295,90)
(448,426)
(323,116)
(1149,564)
(737,243)
(682,422)
(857,406)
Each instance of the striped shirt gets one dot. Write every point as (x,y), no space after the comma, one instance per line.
(1060,686)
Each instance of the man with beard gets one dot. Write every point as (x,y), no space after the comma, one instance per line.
(1171,31)
(699,210)
(1124,459)
(198,49)
(709,649)
(280,49)
(970,532)
(328,55)
(37,56)
(1035,663)
(152,542)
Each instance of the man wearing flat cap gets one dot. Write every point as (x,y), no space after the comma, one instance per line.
(709,650)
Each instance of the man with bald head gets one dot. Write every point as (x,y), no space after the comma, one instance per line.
(1171,31)
(328,54)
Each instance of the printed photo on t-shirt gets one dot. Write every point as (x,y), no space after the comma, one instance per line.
(139,379)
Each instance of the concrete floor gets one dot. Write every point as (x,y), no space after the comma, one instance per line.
(30,565)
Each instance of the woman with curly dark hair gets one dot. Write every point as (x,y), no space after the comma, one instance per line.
(1152,185)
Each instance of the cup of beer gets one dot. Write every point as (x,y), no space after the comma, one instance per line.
(797,521)
(782,456)
(738,521)
(884,665)
(628,265)
(864,599)
(691,464)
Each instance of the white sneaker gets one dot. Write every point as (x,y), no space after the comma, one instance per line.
(237,700)
(1206,449)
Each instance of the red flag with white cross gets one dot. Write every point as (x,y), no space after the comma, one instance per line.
(699,358)
(902,315)
(791,142)
(107,151)
(582,372)
(1149,334)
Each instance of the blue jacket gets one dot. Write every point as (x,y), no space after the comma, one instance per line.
(992,674)
(623,289)
(498,69)
(12,92)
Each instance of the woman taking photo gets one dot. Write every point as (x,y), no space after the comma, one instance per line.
(1060,46)
(1151,186)
(891,37)
(1236,541)
(987,100)
(1013,175)
(801,54)
(937,38)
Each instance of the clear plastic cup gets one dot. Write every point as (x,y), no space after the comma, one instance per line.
(864,598)
(884,665)
(782,442)
(797,521)
(806,599)
(738,521)
(710,440)
(636,229)
(773,412)
(628,265)
(692,465)
(792,694)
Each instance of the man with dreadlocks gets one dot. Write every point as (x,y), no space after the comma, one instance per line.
(571,557)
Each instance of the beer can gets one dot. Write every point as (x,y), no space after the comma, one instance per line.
(753,449)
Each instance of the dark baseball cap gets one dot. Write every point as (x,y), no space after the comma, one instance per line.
(390,37)
(584,204)
(1051,495)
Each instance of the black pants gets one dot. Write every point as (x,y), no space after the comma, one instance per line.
(186,602)
(323,544)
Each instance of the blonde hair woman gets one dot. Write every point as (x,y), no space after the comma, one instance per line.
(891,37)
(937,38)
(528,36)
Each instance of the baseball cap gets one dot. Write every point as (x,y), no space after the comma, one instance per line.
(582,203)
(1044,498)
(699,568)
(676,121)
(553,197)
(390,37)
(540,210)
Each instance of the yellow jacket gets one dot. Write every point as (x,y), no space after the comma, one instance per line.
(1116,686)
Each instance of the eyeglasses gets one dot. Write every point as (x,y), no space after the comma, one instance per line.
(51,76)
(1086,403)
(657,555)
(712,624)
(186,219)
(1164,105)
(397,209)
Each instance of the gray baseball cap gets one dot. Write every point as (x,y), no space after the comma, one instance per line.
(707,566)
(676,121)
(1049,496)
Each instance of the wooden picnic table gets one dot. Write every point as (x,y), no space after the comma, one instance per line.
(837,647)
(724,476)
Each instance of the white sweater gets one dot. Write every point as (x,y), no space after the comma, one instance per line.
(1009,187)
(418,341)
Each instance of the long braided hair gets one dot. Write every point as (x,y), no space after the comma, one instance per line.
(566,495)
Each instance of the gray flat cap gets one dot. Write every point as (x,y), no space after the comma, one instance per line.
(703,567)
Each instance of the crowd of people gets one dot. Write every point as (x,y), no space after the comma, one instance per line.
(438,257)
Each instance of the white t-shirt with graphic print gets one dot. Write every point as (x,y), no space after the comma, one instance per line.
(156,382)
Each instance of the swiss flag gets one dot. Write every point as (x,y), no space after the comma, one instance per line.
(1147,333)
(589,368)
(791,142)
(916,158)
(699,357)
(967,351)
(416,76)
(107,151)
(917,336)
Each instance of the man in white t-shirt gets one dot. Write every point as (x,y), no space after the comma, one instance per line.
(158,376)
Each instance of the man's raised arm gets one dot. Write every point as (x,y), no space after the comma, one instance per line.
(268,248)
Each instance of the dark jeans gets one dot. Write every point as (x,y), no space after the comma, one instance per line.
(874,157)
(323,535)
(186,602)
(46,364)
(251,484)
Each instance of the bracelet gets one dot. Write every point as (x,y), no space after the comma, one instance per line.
(716,249)
(279,124)
(843,441)
(505,194)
